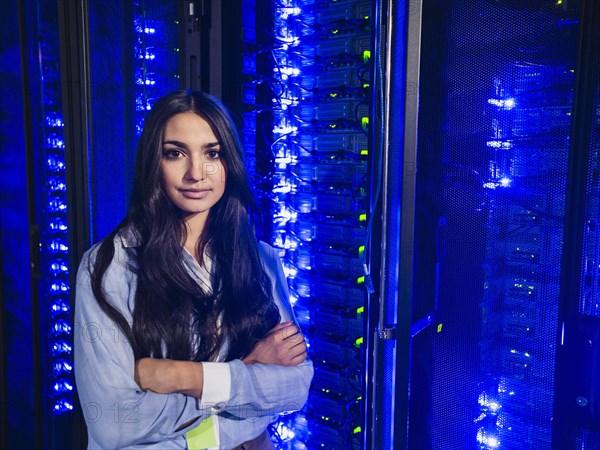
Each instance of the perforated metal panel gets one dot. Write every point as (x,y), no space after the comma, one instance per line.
(495,119)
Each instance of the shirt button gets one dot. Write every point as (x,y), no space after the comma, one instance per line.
(218,408)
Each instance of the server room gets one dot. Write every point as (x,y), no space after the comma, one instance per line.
(426,171)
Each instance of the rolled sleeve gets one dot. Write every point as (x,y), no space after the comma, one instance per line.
(117,413)
(216,390)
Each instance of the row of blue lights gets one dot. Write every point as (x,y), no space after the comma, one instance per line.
(54,246)
(287,428)
(147,65)
(299,191)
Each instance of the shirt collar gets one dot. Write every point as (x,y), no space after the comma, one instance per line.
(130,238)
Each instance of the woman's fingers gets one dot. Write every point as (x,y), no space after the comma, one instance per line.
(280,326)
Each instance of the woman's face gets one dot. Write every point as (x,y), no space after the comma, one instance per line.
(192,170)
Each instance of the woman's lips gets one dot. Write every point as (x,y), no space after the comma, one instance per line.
(194,193)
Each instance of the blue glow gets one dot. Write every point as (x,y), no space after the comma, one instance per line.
(57,224)
(285,432)
(55,141)
(57,184)
(60,306)
(59,287)
(59,267)
(57,204)
(505,182)
(61,327)
(61,406)
(54,120)
(62,367)
(58,246)
(63,386)
(61,348)
(56,163)
(507,104)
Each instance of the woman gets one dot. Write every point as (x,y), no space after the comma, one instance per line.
(185,337)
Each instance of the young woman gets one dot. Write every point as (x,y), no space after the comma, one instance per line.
(184,334)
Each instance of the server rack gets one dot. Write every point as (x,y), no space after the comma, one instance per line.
(305,129)
(496,133)
(469,335)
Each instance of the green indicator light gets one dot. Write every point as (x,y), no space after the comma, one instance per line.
(365,122)
(364,152)
(366,55)
(362,218)
(360,310)
(357,430)
(360,280)
(361,249)
(358,342)
(366,85)
(439,328)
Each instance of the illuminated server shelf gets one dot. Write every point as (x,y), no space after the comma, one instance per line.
(520,307)
(51,217)
(310,86)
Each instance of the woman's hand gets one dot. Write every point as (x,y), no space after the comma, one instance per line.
(167,376)
(284,345)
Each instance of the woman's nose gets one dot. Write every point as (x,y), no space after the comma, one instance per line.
(200,170)
(195,171)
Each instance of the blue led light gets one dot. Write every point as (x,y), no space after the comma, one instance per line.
(62,367)
(63,386)
(61,327)
(57,184)
(58,245)
(57,224)
(62,406)
(60,308)
(55,141)
(59,267)
(59,287)
(57,204)
(54,120)
(61,348)
(56,163)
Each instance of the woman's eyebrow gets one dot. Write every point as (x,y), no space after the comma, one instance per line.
(176,143)
(184,145)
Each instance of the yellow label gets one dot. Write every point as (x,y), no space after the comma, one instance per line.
(203,436)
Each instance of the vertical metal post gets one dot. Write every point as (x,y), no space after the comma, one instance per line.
(396,74)
(76,99)
(586,96)
(408,163)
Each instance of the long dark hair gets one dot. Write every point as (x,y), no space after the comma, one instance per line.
(173,317)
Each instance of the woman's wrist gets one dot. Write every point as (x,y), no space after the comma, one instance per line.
(189,378)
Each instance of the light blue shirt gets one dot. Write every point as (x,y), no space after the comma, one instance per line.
(242,399)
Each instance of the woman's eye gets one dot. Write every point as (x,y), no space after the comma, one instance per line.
(213,154)
(172,153)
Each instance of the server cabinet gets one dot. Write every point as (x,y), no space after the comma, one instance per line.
(499,317)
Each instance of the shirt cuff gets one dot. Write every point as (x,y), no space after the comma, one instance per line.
(216,390)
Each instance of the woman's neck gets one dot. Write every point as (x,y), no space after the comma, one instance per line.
(194,227)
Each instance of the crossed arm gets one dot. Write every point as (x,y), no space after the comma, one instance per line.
(284,345)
